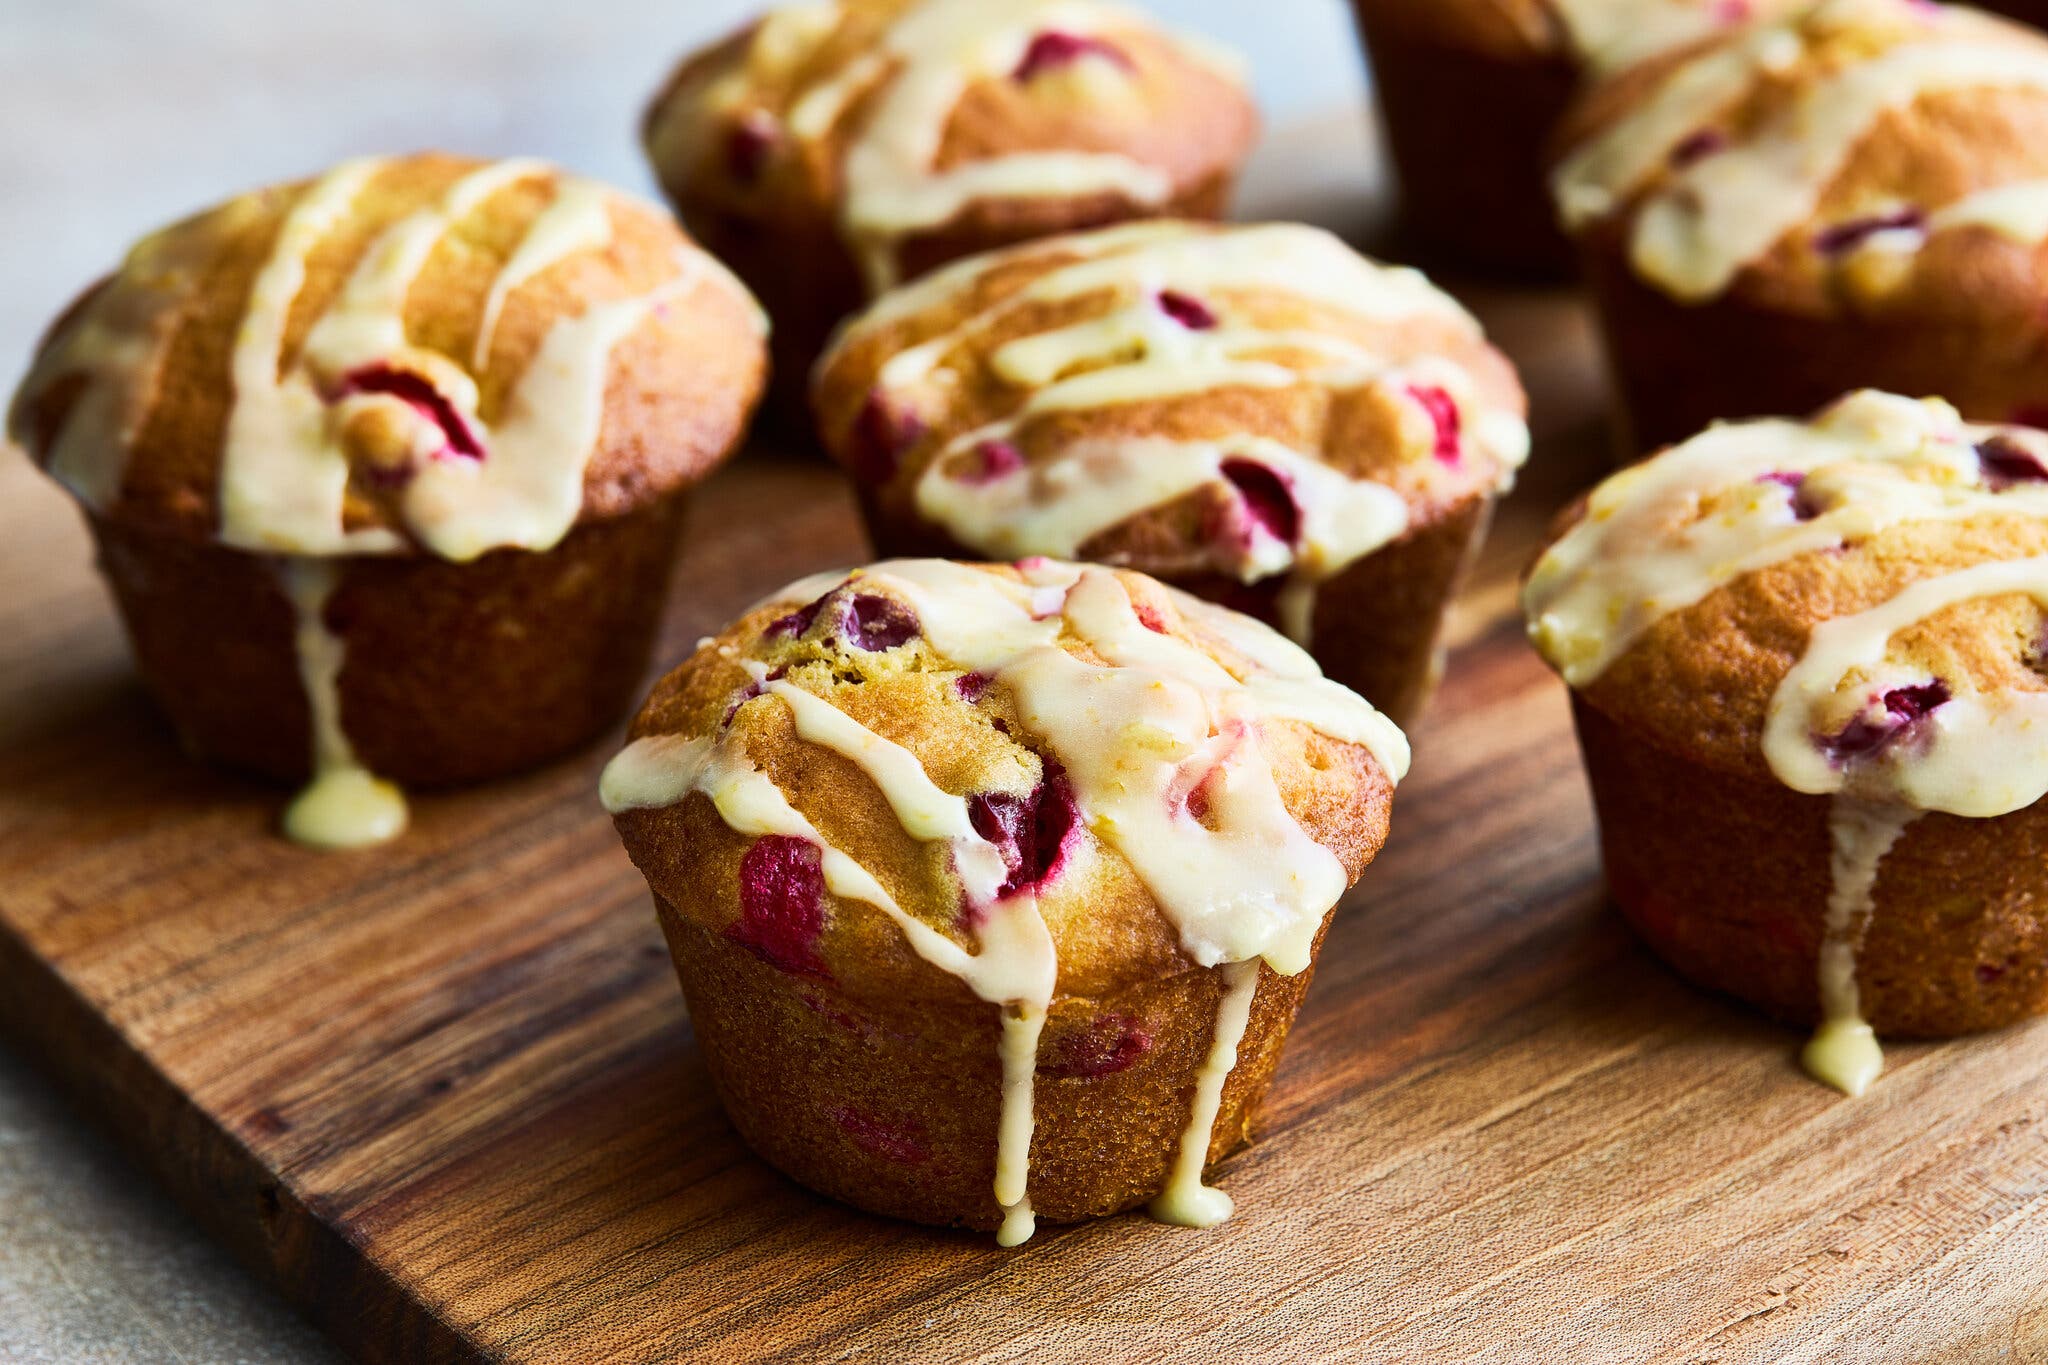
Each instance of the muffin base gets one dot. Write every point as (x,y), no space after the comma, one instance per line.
(891,1105)
(1726,877)
(1377,626)
(453,673)
(1678,367)
(1469,134)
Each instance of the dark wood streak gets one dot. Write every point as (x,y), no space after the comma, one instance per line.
(445,1095)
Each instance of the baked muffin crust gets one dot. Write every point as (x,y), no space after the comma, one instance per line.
(930,784)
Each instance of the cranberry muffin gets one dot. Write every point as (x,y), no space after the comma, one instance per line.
(1807,665)
(994,890)
(831,150)
(386,468)
(1854,195)
(1256,414)
(1470,91)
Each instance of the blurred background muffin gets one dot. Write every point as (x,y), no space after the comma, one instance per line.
(1854,195)
(1470,91)
(829,151)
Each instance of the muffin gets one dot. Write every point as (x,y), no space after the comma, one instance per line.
(1856,195)
(386,469)
(1807,665)
(831,150)
(1470,91)
(1258,415)
(994,890)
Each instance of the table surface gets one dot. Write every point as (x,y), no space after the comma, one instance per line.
(122,114)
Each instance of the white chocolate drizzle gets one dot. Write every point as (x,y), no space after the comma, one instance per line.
(1137,352)
(1157,717)
(1663,535)
(1606,35)
(346,806)
(1711,217)
(286,460)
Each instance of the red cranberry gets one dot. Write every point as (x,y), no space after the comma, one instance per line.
(799,621)
(1989,972)
(1903,708)
(1443,414)
(782,904)
(748,144)
(882,431)
(1842,237)
(2006,462)
(418,393)
(1792,480)
(1149,617)
(1109,1045)
(1698,147)
(1031,832)
(899,1140)
(993,460)
(1053,49)
(1187,310)
(1267,499)
(972,687)
(878,623)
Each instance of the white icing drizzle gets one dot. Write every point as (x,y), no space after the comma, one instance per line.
(940,48)
(1642,551)
(1138,352)
(1709,219)
(345,806)
(1661,536)
(1156,718)
(1607,35)
(286,461)
(2017,211)
(1186,1200)
(579,220)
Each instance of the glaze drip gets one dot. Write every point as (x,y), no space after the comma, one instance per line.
(1145,717)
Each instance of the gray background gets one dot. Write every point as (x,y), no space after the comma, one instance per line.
(120,115)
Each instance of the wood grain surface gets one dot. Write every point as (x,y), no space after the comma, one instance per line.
(445,1094)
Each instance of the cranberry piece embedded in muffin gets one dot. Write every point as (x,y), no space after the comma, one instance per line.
(782,904)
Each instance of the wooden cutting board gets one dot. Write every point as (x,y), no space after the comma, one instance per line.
(445,1095)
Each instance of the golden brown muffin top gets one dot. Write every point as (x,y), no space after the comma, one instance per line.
(422,352)
(899,117)
(1859,155)
(1854,603)
(1178,397)
(1047,776)
(1590,34)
